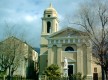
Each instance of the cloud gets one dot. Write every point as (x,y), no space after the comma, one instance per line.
(26,15)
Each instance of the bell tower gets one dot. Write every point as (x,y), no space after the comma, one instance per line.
(49,21)
(49,26)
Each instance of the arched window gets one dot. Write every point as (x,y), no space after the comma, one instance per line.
(69,48)
(48,27)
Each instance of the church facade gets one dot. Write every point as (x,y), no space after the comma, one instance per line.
(66,43)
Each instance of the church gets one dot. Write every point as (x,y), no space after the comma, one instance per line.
(67,43)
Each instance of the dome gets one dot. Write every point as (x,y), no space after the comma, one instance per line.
(50,9)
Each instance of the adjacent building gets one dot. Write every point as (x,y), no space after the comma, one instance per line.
(22,56)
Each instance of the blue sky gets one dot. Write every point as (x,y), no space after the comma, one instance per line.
(25,16)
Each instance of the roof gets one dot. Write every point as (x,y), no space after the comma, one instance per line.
(37,49)
(13,37)
(67,30)
(50,9)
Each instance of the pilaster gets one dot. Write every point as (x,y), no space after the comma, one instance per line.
(50,56)
(59,55)
(43,26)
(89,66)
(79,58)
(59,49)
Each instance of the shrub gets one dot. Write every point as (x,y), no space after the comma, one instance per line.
(78,76)
(52,72)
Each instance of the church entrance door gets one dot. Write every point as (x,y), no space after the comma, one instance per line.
(95,76)
(70,71)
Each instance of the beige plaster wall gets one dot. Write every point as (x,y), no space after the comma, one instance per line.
(98,69)
(43,58)
(84,55)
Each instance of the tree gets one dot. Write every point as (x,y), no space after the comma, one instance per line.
(11,55)
(94,20)
(15,53)
(11,51)
(52,72)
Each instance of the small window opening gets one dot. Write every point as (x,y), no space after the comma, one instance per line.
(49,15)
(95,69)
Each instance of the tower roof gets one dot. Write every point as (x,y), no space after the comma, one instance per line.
(50,9)
(50,5)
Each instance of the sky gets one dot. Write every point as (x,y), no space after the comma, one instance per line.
(23,17)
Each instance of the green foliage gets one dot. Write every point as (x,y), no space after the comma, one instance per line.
(78,76)
(2,73)
(52,72)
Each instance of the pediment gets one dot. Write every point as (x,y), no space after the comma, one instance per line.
(67,32)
